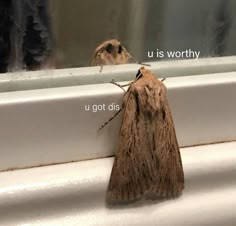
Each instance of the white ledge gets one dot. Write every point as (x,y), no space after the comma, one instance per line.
(43,127)
(91,75)
(74,194)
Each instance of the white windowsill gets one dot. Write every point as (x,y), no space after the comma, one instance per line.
(91,75)
(43,127)
(74,194)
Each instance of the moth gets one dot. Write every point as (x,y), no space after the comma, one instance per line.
(111,52)
(148,159)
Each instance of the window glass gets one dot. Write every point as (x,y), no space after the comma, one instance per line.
(37,34)
(150,29)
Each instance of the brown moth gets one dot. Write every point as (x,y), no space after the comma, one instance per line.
(111,52)
(148,159)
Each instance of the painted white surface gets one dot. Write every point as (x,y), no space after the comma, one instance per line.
(74,194)
(41,127)
(91,75)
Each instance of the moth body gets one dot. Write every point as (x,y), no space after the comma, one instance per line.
(148,158)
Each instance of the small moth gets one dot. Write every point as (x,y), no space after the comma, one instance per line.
(148,159)
(111,52)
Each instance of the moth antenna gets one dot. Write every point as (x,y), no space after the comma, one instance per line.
(109,120)
(117,84)
(128,84)
(121,86)
(101,68)
(144,64)
(139,62)
(163,79)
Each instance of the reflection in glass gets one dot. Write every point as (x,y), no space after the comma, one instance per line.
(207,28)
(151,30)
(111,52)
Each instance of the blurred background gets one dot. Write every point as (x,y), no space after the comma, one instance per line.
(69,31)
(143,25)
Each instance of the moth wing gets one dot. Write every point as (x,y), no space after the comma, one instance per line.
(148,157)
(130,58)
(127,56)
(133,173)
(170,178)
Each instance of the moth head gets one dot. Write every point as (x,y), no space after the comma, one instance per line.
(110,52)
(140,73)
(114,48)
